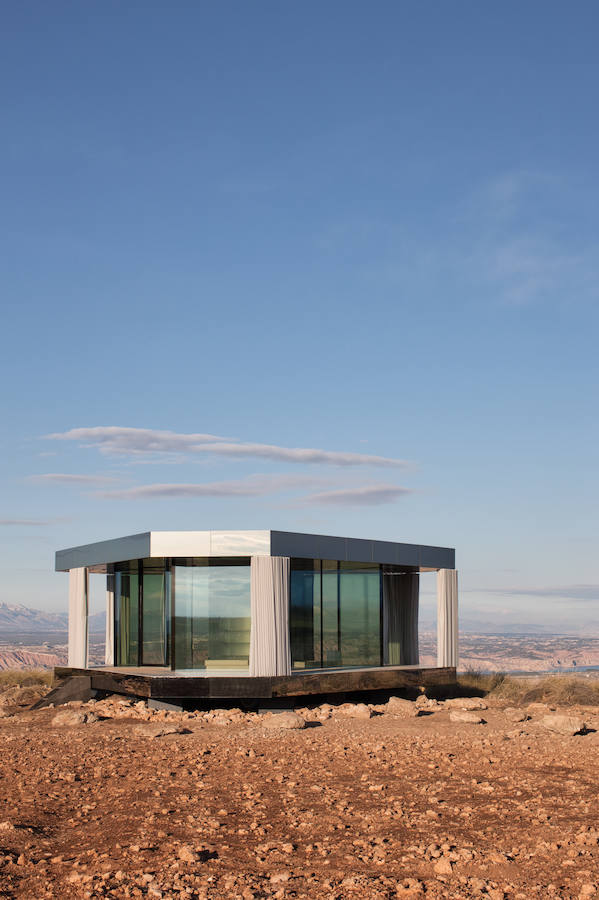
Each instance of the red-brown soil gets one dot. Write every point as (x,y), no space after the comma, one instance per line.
(360,808)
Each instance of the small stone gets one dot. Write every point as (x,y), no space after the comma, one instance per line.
(443,866)
(186,853)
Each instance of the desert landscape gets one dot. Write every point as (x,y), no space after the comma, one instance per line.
(491,796)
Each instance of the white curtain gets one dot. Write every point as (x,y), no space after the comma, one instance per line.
(109,649)
(401,595)
(447,617)
(269,628)
(78,617)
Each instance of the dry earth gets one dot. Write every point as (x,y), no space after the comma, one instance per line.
(109,799)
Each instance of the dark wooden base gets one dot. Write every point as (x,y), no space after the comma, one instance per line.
(174,688)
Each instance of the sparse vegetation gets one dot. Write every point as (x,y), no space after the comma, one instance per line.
(24,678)
(560,690)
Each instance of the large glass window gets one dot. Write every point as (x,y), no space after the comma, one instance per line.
(155,615)
(335,614)
(212,613)
(305,614)
(126,614)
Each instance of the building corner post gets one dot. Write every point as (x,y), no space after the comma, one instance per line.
(78,617)
(447,618)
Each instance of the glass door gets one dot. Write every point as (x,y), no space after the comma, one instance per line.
(154,619)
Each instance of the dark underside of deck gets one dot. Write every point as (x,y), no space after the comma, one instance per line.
(176,688)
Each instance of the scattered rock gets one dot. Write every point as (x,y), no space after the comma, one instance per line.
(67,717)
(287,719)
(161,730)
(466,716)
(443,866)
(466,703)
(404,708)
(356,711)
(564,724)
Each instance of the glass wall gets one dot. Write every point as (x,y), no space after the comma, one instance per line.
(141,613)
(212,613)
(335,614)
(126,613)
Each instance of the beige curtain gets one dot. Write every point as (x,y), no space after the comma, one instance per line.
(447,617)
(78,617)
(400,619)
(109,647)
(269,628)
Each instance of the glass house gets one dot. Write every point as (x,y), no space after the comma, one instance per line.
(258,602)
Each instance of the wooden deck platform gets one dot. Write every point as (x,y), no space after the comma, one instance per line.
(174,687)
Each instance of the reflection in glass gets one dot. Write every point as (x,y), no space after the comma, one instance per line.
(305,615)
(331,637)
(212,614)
(126,608)
(154,619)
(360,615)
(342,601)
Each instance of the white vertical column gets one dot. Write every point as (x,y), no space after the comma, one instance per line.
(78,617)
(109,646)
(270,652)
(447,617)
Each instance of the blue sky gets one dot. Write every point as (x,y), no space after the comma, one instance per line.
(365,229)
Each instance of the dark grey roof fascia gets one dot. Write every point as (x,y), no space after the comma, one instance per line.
(320,546)
(133,546)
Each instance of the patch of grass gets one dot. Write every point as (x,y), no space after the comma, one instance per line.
(555,690)
(24,678)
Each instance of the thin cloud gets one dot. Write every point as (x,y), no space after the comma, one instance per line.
(67,478)
(561,592)
(254,486)
(28,523)
(369,495)
(144,441)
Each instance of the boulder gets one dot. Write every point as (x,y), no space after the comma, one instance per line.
(161,730)
(287,720)
(66,717)
(23,696)
(466,703)
(466,716)
(356,711)
(564,724)
(516,715)
(399,707)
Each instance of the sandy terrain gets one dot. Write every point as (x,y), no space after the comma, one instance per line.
(224,807)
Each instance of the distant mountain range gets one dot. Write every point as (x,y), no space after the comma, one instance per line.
(16,618)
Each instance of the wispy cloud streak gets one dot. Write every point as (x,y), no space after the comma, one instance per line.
(368,495)
(67,478)
(135,442)
(28,523)
(254,486)
(561,592)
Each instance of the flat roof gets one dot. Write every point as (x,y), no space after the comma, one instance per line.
(253,543)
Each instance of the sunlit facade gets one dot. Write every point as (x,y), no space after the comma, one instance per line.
(256,603)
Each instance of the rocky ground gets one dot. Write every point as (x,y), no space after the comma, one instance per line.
(425,799)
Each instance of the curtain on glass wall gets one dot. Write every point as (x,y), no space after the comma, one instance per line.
(335,614)
(126,614)
(212,613)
